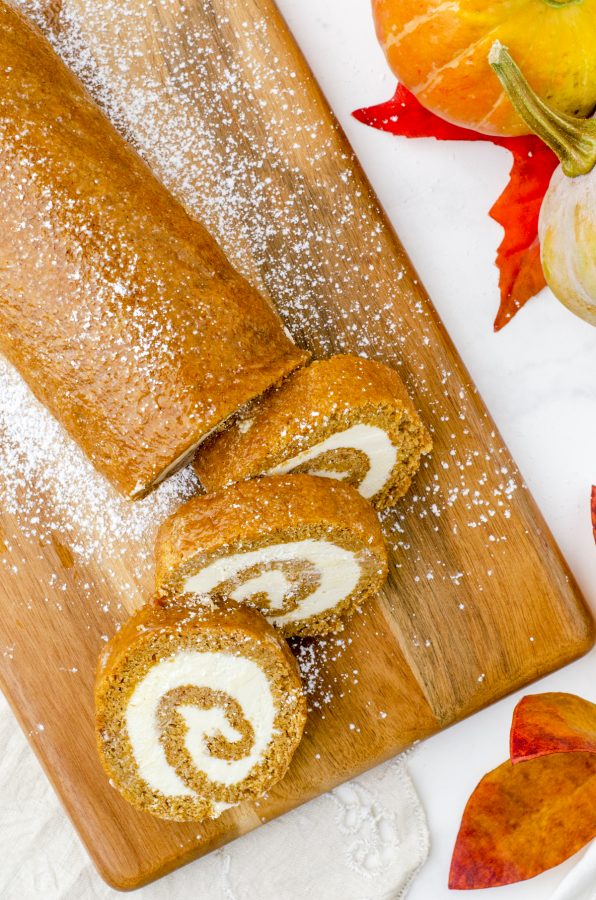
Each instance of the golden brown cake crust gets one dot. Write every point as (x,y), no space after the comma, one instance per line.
(253,513)
(119,310)
(335,390)
(153,633)
(159,614)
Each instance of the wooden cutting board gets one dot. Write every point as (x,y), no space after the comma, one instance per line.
(219,100)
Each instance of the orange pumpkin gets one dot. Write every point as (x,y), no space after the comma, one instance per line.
(439,50)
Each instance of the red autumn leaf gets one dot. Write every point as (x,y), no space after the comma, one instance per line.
(517,209)
(552,723)
(524,819)
(520,278)
(593,507)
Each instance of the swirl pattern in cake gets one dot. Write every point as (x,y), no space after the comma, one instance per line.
(305,551)
(197,709)
(345,418)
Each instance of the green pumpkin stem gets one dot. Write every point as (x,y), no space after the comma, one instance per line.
(571,138)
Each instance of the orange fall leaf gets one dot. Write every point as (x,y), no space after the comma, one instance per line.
(552,723)
(518,207)
(524,819)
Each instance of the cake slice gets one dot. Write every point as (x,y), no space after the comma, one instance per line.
(346,418)
(303,550)
(197,709)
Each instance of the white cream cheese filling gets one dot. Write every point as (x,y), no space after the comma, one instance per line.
(369,439)
(339,572)
(237,676)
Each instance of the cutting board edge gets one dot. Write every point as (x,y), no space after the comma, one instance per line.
(127,881)
(576,649)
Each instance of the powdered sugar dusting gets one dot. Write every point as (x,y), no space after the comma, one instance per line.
(50,486)
(323,677)
(174,116)
(205,115)
(225,123)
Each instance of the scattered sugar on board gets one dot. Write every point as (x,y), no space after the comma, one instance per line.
(176,105)
(324,670)
(227,135)
(50,486)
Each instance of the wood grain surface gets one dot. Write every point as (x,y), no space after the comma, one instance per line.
(479,600)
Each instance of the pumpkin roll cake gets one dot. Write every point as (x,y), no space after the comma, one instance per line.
(119,310)
(346,418)
(303,550)
(197,709)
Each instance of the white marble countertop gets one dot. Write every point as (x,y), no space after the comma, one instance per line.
(536,378)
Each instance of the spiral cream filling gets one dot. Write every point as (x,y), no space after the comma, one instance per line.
(372,442)
(233,681)
(329,574)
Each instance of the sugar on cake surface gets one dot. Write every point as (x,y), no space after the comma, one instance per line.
(120,310)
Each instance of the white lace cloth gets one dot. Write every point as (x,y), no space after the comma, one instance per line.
(364,841)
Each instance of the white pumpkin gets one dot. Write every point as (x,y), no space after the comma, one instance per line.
(567,231)
(567,224)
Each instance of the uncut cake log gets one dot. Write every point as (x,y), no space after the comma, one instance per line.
(119,310)
(346,418)
(197,709)
(305,551)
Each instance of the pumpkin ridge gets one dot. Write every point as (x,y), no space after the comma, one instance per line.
(394,40)
(498,102)
(454,62)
